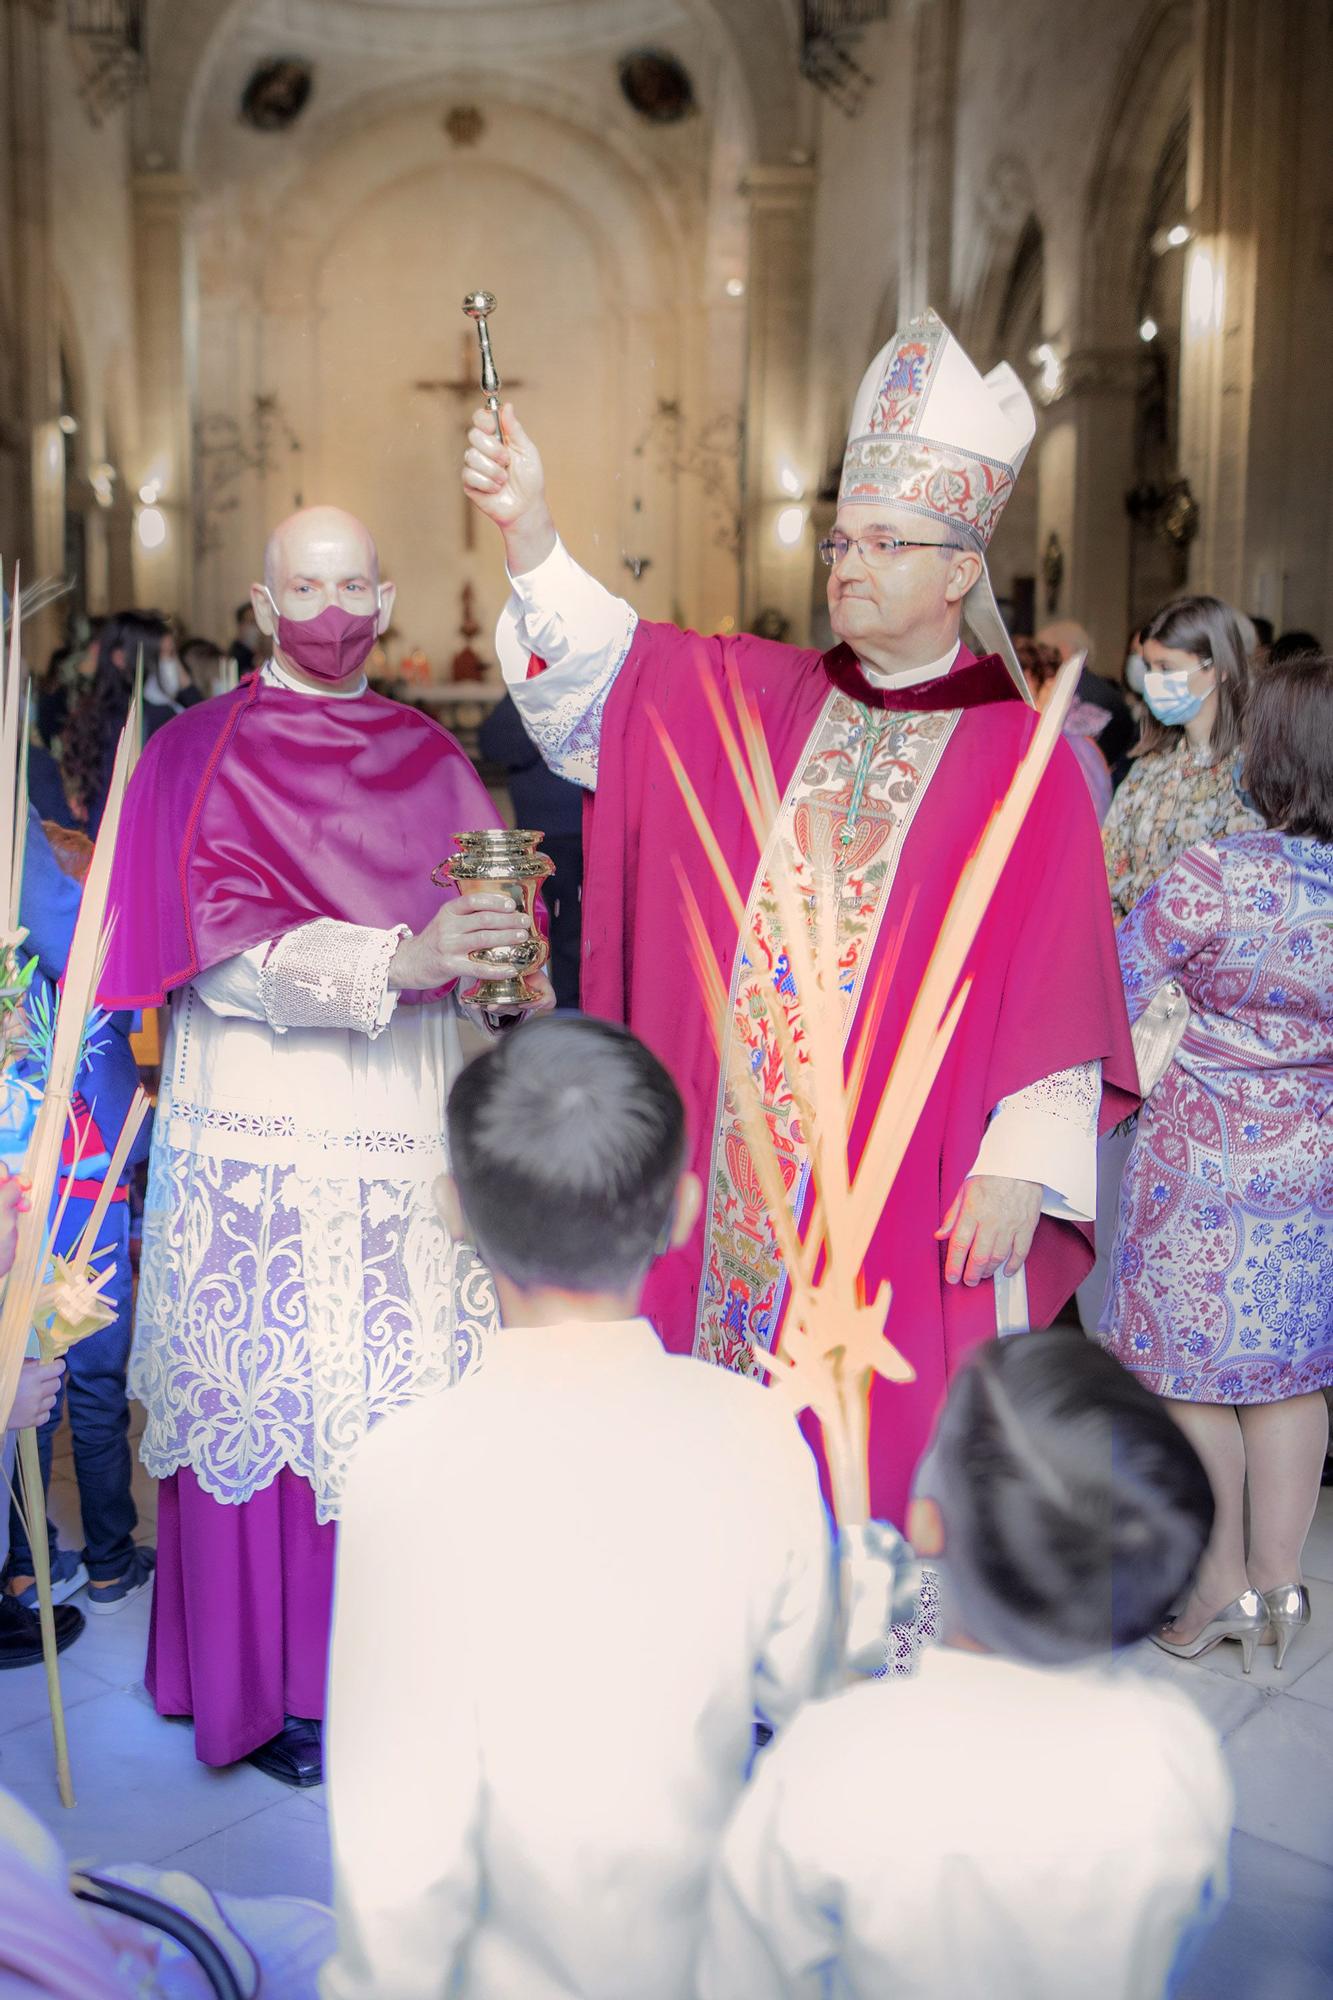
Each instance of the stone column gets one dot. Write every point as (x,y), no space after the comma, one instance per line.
(927,278)
(1087,468)
(776,575)
(39,485)
(1256,414)
(164,318)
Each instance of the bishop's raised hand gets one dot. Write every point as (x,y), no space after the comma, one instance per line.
(504,480)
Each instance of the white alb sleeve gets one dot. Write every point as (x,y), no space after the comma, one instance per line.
(1048,1133)
(559,614)
(325,974)
(232,988)
(331,975)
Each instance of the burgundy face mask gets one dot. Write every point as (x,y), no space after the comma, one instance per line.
(331,646)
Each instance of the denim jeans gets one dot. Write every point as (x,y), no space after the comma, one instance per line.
(99,1416)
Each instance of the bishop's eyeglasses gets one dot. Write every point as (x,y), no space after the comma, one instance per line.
(875,551)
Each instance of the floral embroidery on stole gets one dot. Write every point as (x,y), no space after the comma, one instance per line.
(844,819)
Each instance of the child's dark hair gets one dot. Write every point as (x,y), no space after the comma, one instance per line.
(566,1142)
(1075,1509)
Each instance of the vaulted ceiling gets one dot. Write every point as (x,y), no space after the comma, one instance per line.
(201,54)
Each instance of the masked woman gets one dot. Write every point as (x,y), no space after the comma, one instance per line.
(1181,786)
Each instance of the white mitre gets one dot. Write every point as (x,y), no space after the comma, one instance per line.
(933,435)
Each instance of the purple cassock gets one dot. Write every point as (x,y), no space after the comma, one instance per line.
(249,818)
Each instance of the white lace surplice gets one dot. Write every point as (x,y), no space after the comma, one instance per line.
(296,1281)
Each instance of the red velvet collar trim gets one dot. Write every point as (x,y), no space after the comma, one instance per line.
(968,685)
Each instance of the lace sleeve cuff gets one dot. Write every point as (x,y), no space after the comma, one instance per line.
(329,974)
(1048,1133)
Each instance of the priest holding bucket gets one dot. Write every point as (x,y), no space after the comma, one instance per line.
(278,882)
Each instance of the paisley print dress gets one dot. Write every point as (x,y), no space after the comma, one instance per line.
(1170,800)
(1222,1273)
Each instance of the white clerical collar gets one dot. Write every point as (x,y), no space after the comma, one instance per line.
(277,675)
(910,677)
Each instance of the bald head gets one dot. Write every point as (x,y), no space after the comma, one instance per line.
(323,540)
(319,557)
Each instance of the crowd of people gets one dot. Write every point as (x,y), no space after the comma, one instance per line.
(85,692)
(383,1283)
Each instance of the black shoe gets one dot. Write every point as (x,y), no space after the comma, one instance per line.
(21,1632)
(295,1756)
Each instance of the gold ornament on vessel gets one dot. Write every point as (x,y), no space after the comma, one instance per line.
(503,861)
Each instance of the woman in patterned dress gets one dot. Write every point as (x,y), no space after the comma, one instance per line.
(1181,786)
(1221,1294)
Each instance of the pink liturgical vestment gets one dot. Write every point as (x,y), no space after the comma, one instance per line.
(898,785)
(263,810)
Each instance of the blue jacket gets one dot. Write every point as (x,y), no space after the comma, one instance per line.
(48,909)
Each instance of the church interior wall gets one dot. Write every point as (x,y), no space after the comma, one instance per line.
(708,494)
(1029,135)
(643,340)
(92,257)
(1034,88)
(66,294)
(858,221)
(13,440)
(590,281)
(624,255)
(1031,127)
(1272,295)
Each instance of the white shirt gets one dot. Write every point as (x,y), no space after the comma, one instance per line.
(562,1591)
(986,1829)
(561,615)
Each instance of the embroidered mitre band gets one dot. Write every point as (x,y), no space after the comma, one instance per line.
(932,434)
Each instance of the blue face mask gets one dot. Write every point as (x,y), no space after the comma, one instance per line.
(1166,691)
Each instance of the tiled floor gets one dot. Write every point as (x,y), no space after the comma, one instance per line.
(143,1797)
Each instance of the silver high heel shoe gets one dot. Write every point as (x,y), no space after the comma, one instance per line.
(1246,1619)
(1288,1609)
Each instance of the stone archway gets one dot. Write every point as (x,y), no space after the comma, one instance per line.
(1091,425)
(1015,336)
(1159,557)
(673,231)
(598,316)
(1151,98)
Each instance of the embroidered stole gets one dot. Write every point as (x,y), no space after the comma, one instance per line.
(846,814)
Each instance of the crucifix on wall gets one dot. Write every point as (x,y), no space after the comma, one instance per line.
(469,393)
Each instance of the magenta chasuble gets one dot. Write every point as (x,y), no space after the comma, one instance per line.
(894,790)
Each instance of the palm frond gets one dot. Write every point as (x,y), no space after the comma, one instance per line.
(834,1340)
